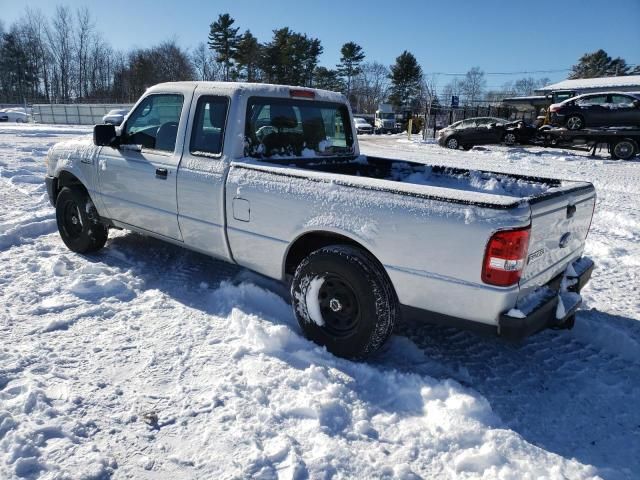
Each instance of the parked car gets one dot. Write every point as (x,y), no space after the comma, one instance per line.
(484,130)
(116,116)
(607,109)
(360,240)
(362,126)
(14,115)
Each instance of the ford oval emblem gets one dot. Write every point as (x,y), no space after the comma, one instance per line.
(564,240)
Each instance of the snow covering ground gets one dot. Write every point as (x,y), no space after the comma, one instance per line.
(146,361)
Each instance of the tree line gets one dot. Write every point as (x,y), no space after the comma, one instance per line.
(65,58)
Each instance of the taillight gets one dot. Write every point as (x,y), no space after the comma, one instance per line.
(505,257)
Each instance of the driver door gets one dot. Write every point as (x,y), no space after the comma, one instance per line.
(138,179)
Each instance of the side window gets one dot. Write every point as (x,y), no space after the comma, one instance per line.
(468,124)
(621,101)
(594,100)
(154,123)
(207,135)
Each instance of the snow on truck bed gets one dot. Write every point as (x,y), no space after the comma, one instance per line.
(146,361)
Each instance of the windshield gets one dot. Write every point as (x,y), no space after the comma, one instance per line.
(386,116)
(285,128)
(361,120)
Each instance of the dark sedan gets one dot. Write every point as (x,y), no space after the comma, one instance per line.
(483,131)
(609,109)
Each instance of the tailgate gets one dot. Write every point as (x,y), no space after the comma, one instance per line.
(559,226)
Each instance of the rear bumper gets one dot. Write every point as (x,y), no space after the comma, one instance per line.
(544,315)
(51,188)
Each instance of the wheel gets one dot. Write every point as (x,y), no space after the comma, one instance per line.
(510,138)
(624,149)
(467,147)
(452,143)
(343,300)
(79,227)
(575,122)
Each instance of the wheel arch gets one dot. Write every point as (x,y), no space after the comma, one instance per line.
(65,178)
(312,240)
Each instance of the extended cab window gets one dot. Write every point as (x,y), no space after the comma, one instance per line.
(279,128)
(208,126)
(154,123)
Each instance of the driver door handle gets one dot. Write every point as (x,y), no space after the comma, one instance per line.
(162,173)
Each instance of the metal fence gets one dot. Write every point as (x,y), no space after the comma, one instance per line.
(74,114)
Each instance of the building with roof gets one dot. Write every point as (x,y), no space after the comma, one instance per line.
(626,83)
(557,92)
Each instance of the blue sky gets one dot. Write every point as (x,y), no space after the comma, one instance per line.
(445,36)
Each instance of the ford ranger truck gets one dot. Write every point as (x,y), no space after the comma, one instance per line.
(270,177)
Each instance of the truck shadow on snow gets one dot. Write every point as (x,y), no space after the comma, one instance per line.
(575,393)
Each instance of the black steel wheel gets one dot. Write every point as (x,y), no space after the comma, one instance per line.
(343,300)
(78,223)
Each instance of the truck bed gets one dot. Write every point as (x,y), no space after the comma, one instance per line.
(470,187)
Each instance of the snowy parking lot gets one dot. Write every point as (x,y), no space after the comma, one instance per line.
(146,361)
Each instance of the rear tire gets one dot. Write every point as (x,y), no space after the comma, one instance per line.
(78,223)
(343,300)
(624,149)
(575,122)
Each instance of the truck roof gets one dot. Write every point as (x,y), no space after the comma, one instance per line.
(258,89)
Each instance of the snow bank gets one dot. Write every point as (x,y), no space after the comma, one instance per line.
(146,361)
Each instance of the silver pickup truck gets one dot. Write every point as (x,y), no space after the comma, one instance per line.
(270,177)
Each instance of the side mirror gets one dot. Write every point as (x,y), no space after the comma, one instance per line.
(104,135)
(636,103)
(492,125)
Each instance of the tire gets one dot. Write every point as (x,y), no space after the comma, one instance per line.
(574,122)
(452,143)
(624,149)
(510,138)
(344,301)
(78,223)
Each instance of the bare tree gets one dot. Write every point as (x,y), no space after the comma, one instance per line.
(205,65)
(370,87)
(473,85)
(60,37)
(451,89)
(81,49)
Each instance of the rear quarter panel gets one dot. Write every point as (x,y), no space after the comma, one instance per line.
(432,250)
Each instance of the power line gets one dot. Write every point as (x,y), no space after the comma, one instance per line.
(503,73)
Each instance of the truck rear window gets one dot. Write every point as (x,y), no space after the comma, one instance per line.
(286,128)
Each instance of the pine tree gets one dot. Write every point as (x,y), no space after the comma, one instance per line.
(247,56)
(349,66)
(406,78)
(290,58)
(223,39)
(327,79)
(599,64)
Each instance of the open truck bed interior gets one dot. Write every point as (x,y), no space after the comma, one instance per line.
(494,189)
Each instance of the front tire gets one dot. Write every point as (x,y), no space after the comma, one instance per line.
(452,143)
(80,229)
(575,122)
(510,139)
(343,300)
